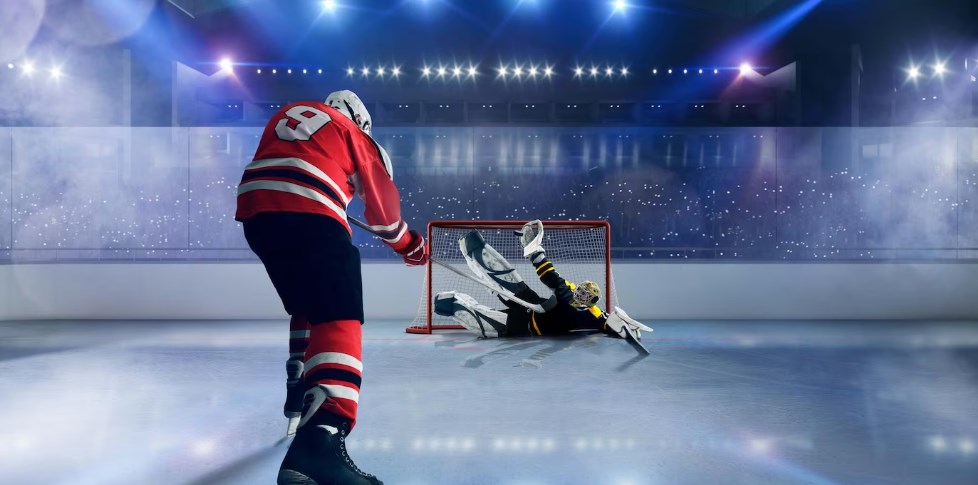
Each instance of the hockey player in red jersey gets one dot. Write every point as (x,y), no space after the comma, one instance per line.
(292,200)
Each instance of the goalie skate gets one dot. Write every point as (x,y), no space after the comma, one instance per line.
(488,265)
(470,314)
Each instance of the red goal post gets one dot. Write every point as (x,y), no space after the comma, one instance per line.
(579,249)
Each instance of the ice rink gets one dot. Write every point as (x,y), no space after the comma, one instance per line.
(174,402)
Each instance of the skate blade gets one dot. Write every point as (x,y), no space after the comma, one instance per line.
(293,426)
(290,477)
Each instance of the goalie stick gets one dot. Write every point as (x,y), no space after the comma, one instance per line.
(497,290)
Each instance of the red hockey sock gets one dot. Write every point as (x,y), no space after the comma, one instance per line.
(333,364)
(298,337)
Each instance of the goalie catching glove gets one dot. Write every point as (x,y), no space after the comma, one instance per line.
(618,320)
(531,237)
(416,252)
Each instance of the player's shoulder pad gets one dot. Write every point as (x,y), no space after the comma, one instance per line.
(384,157)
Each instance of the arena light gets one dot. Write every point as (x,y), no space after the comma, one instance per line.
(502,70)
(608,71)
(288,71)
(329,5)
(624,71)
(305,71)
(226,64)
(319,71)
(670,71)
(745,68)
(258,70)
(274,71)
(27,67)
(548,72)
(716,71)
(578,71)
(56,73)
(10,66)
(594,72)
(532,72)
(517,71)
(396,71)
(349,71)
(442,71)
(655,72)
(619,5)
(701,71)
(473,72)
(940,67)
(425,72)
(913,72)
(365,71)
(685,71)
(456,72)
(381,71)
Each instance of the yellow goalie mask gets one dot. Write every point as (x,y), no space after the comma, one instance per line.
(586,295)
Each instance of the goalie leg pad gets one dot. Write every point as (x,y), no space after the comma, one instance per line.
(488,264)
(469,313)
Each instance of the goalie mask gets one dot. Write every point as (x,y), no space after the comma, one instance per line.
(586,295)
(348,103)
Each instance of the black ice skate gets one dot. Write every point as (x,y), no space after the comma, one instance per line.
(293,394)
(318,457)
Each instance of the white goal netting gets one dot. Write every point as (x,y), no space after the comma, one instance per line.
(579,250)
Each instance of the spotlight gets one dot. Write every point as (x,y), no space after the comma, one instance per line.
(319,71)
(655,72)
(425,71)
(517,71)
(940,68)
(701,71)
(28,67)
(685,71)
(349,71)
(258,71)
(395,71)
(288,71)
(619,5)
(745,68)
(380,71)
(457,71)
(274,71)
(304,71)
(365,71)
(442,71)
(609,72)
(329,5)
(913,72)
(226,64)
(548,71)
(716,71)
(578,72)
(624,71)
(10,66)
(594,72)
(473,71)
(532,71)
(670,71)
(55,72)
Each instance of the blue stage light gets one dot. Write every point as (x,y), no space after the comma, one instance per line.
(380,71)
(349,71)
(425,71)
(940,67)
(27,67)
(578,72)
(473,72)
(548,71)
(396,71)
(655,72)
(594,72)
(365,71)
(226,64)
(745,68)
(329,5)
(619,5)
(913,72)
(442,71)
(624,71)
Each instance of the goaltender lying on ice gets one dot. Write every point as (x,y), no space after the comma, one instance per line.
(572,307)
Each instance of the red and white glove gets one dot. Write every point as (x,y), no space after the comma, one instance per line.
(416,252)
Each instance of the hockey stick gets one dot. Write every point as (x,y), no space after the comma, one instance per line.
(499,291)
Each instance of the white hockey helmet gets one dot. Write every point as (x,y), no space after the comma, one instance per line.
(348,103)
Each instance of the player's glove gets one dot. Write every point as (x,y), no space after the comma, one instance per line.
(618,320)
(416,252)
(531,237)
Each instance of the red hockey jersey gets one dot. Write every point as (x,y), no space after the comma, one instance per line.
(313,159)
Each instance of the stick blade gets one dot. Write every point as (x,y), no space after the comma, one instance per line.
(634,342)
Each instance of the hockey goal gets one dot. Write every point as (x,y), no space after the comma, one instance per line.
(580,250)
